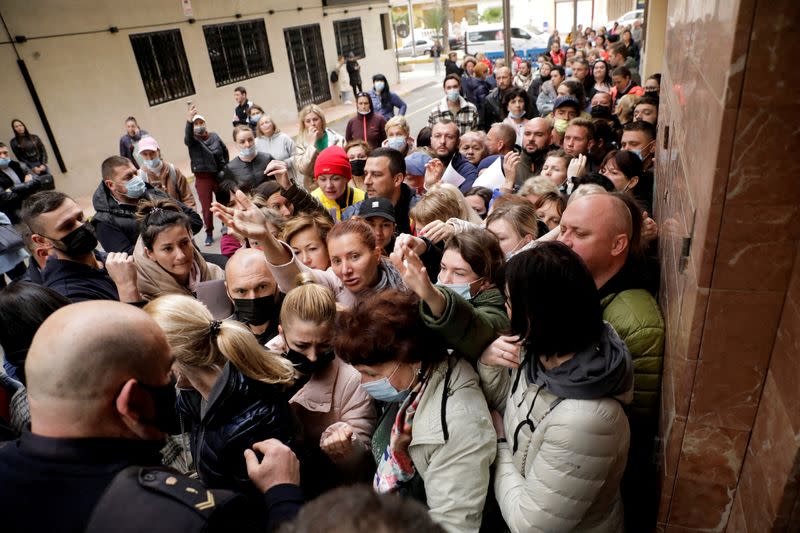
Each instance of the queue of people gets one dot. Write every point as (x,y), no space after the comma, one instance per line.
(388,310)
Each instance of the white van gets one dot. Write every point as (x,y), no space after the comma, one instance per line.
(488,38)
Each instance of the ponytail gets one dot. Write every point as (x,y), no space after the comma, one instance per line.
(197,340)
(237,344)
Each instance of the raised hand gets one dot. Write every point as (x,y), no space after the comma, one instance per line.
(280,171)
(577,166)
(121,269)
(245,218)
(434,170)
(437,231)
(510,164)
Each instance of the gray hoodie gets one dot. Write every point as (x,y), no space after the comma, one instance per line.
(601,370)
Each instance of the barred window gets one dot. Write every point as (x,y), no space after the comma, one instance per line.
(238,50)
(349,37)
(162,65)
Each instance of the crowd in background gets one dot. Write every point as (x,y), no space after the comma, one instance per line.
(461,317)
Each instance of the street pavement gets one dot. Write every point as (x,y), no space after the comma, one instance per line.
(420,100)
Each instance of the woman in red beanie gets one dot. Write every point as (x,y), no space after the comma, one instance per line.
(332,173)
(366,125)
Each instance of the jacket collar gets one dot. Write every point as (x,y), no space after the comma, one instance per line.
(462,103)
(317,395)
(97,450)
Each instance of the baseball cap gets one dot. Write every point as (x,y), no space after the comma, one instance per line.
(415,163)
(148,143)
(198,117)
(566,100)
(377,207)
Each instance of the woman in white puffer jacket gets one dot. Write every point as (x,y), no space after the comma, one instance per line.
(563,435)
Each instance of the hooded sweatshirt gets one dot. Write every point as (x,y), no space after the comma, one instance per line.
(601,370)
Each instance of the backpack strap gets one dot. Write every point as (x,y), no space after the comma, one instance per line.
(172,177)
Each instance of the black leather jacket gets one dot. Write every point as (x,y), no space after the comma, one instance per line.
(240,412)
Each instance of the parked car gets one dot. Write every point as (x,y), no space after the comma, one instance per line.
(628,18)
(425,46)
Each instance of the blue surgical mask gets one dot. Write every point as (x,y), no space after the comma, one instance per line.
(255,118)
(247,152)
(153,164)
(462,289)
(516,115)
(4,162)
(396,142)
(384,391)
(638,154)
(135,187)
(453,95)
(379,86)
(568,71)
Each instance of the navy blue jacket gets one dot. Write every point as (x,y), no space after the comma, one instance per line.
(240,411)
(388,110)
(466,169)
(77,281)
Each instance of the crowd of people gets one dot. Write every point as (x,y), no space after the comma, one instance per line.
(453,329)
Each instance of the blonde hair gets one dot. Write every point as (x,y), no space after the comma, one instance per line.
(309,301)
(189,328)
(518,212)
(263,119)
(538,185)
(319,223)
(310,108)
(443,202)
(398,121)
(585,190)
(625,107)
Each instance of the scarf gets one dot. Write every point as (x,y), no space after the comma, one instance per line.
(396,468)
(388,276)
(322,143)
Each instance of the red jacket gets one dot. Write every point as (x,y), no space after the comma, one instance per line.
(369,128)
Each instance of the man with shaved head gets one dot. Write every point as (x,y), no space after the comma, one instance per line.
(536,143)
(101,407)
(599,227)
(254,293)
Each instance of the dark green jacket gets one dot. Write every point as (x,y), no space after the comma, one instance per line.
(469,327)
(636,317)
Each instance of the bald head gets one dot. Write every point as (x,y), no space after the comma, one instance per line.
(598,227)
(80,359)
(247,275)
(536,135)
(501,138)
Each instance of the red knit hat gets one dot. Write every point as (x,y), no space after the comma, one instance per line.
(333,160)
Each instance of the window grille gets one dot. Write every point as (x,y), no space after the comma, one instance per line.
(349,37)
(238,50)
(307,63)
(162,65)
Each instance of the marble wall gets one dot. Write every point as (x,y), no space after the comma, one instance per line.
(728,176)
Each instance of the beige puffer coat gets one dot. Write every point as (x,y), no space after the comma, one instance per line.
(561,467)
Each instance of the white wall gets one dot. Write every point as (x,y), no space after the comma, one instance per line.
(89,83)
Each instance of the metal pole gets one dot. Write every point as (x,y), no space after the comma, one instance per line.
(574,21)
(411,23)
(507,31)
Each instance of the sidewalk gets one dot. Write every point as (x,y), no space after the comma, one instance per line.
(333,113)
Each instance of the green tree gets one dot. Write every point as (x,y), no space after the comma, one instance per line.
(492,14)
(433,18)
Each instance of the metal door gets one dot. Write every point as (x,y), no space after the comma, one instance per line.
(307,62)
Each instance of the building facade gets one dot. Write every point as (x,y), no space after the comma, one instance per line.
(93,64)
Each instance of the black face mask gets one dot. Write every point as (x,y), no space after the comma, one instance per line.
(164,399)
(255,311)
(306,367)
(79,241)
(357,166)
(601,111)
